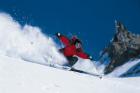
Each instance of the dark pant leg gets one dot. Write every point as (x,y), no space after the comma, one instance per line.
(72,60)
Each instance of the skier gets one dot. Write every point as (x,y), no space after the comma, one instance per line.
(72,48)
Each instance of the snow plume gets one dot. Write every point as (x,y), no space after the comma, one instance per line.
(27,42)
(87,66)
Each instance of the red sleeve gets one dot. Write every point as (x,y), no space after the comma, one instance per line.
(82,55)
(64,40)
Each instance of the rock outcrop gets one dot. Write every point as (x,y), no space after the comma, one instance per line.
(123,47)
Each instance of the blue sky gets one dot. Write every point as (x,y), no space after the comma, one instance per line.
(91,20)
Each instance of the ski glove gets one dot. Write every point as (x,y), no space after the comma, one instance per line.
(58,34)
(90,57)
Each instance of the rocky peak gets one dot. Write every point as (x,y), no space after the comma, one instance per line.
(123,47)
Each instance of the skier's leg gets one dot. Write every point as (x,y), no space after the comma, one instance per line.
(61,50)
(72,60)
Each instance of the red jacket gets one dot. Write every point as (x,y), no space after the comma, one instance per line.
(70,48)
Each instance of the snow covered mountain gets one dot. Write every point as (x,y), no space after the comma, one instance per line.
(122,49)
(133,71)
(129,69)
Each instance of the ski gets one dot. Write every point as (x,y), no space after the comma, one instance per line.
(67,68)
(84,72)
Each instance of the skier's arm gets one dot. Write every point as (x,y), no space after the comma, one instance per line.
(84,55)
(63,39)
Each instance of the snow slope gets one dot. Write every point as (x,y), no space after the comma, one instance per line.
(19,76)
(124,68)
